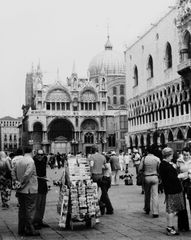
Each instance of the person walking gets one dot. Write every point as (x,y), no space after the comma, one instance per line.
(172,188)
(106,184)
(150,166)
(5,180)
(24,172)
(115,168)
(121,160)
(97,162)
(136,160)
(40,163)
(127,158)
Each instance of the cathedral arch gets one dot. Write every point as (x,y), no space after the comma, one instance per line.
(162,139)
(58,94)
(60,128)
(88,95)
(170,136)
(89,124)
(180,135)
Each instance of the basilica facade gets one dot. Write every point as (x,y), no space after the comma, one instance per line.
(158,80)
(72,115)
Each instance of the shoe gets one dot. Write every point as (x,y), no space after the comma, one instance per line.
(97,220)
(170,231)
(147,212)
(34,233)
(110,212)
(183,229)
(155,215)
(5,206)
(21,233)
(44,225)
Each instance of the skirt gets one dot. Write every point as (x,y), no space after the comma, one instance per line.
(174,203)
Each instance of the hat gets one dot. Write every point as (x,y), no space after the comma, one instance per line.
(166,152)
(40,151)
(113,153)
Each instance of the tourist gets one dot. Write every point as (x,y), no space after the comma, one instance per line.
(136,160)
(172,188)
(183,166)
(24,172)
(121,160)
(127,159)
(115,168)
(106,184)
(40,162)
(5,180)
(150,165)
(97,162)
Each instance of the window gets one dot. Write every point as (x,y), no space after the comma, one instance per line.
(122,89)
(114,91)
(123,122)
(187,44)
(111,140)
(168,56)
(5,137)
(114,100)
(122,101)
(89,138)
(39,93)
(150,67)
(135,76)
(47,106)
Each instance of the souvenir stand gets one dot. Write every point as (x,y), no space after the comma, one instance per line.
(80,202)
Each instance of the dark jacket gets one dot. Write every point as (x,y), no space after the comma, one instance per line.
(169,177)
(40,163)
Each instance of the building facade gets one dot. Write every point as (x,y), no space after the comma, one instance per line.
(9,133)
(71,116)
(158,83)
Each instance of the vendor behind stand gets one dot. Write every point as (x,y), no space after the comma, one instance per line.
(97,164)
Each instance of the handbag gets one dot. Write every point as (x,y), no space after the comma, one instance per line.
(140,175)
(140,178)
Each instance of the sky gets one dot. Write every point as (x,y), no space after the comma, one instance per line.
(59,33)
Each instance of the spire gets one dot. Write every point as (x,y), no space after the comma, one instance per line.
(74,68)
(108,45)
(38,66)
(58,76)
(32,68)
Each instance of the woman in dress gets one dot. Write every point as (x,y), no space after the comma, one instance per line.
(172,189)
(5,180)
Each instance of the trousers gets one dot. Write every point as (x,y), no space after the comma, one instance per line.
(40,208)
(151,194)
(26,213)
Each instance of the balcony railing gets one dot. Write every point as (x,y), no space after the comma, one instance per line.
(184,66)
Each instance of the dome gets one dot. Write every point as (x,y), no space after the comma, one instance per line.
(108,61)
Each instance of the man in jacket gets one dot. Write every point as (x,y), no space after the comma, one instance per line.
(40,162)
(24,172)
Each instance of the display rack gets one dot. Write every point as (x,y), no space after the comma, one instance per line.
(80,202)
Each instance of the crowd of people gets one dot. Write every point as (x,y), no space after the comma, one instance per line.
(25,172)
(172,169)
